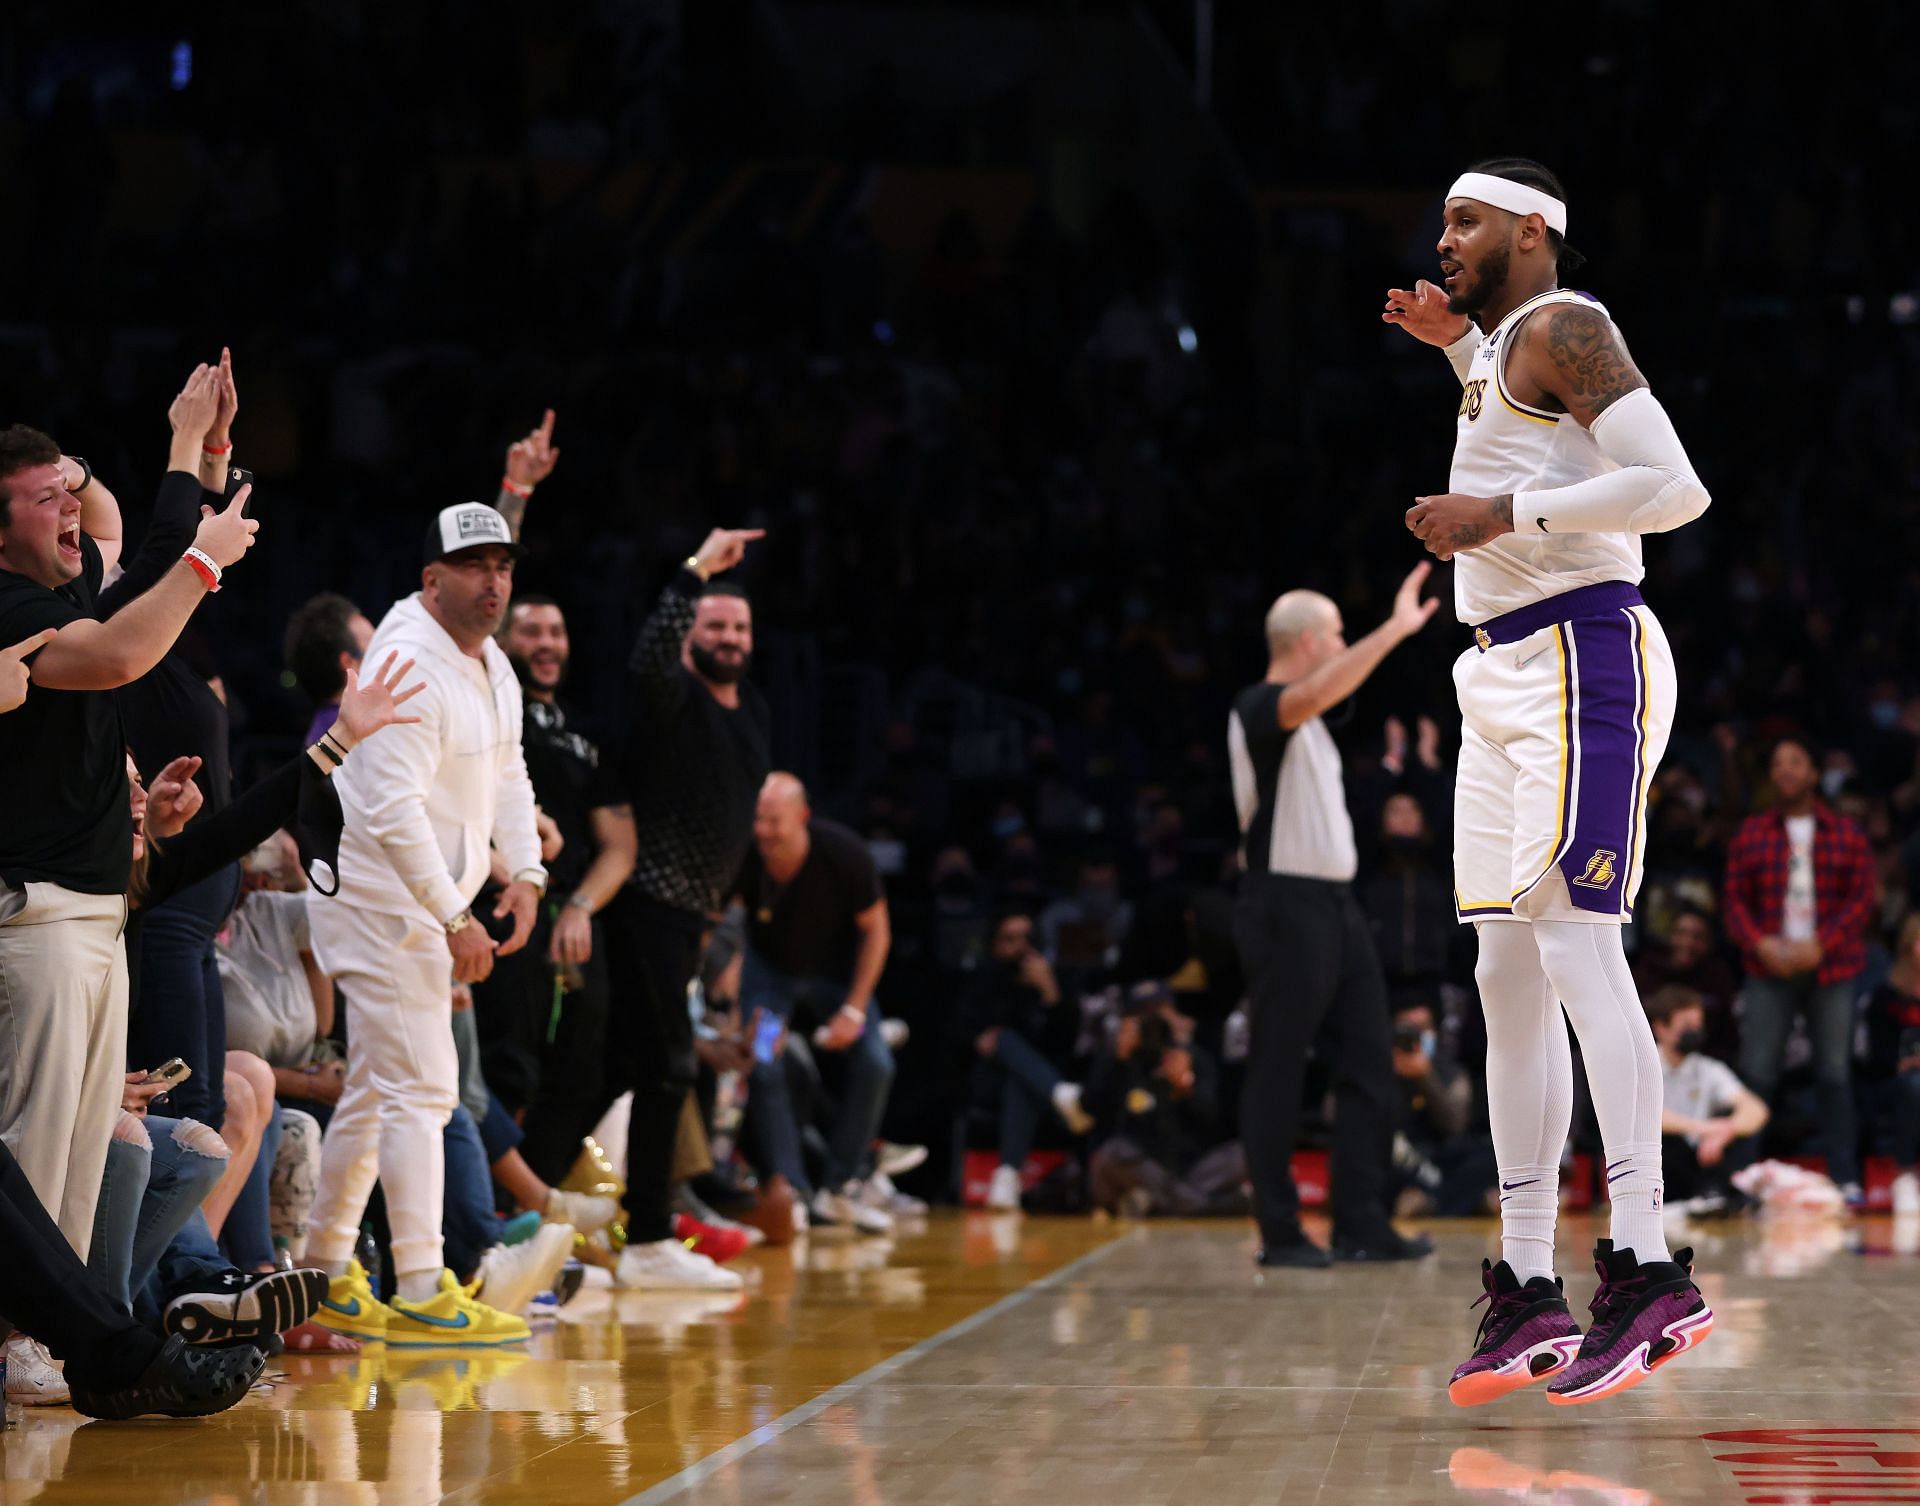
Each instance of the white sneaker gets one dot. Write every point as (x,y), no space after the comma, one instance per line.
(666,1265)
(1003,1192)
(33,1379)
(895,1033)
(511,1276)
(1906,1194)
(583,1210)
(848,1206)
(882,1194)
(898,1160)
(1066,1098)
(800,1218)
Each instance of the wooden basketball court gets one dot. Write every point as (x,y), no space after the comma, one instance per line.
(987,1360)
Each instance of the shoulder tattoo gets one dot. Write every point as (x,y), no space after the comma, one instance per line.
(1594,366)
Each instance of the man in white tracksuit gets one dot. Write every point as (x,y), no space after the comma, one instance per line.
(422,805)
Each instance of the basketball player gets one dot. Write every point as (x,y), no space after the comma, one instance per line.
(1562,459)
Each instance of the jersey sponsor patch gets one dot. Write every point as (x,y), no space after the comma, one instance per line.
(1600,870)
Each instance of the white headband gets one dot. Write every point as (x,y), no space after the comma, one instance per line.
(1515,198)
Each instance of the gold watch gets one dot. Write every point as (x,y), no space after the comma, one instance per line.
(693,564)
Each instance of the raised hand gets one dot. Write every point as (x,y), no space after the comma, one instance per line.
(226,535)
(1422,312)
(1410,613)
(368,705)
(14,674)
(1429,751)
(226,401)
(193,410)
(173,799)
(726,547)
(531,460)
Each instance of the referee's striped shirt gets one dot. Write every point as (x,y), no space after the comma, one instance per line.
(1288,789)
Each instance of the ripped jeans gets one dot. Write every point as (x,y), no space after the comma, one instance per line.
(158,1173)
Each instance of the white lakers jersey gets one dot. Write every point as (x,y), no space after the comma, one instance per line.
(1503,446)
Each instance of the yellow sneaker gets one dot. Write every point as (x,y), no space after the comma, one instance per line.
(450,1317)
(350,1306)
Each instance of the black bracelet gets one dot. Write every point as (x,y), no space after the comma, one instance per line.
(325,750)
(86,473)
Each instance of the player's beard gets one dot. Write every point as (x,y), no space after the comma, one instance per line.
(1488,280)
(721,672)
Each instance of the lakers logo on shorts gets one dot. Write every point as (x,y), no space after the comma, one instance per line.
(1481,637)
(1601,868)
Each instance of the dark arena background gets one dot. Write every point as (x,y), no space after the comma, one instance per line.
(1042,339)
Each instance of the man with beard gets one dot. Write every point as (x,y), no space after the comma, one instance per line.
(696,754)
(398,933)
(542,1015)
(1562,459)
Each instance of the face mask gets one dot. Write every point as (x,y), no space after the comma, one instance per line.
(1008,826)
(1428,1040)
(1885,714)
(1690,1041)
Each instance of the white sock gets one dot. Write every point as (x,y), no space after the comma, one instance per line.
(1587,965)
(1529,1091)
(331,1267)
(418,1286)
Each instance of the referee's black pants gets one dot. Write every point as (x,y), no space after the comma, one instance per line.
(1309,960)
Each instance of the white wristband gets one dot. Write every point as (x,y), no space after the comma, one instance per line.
(194,552)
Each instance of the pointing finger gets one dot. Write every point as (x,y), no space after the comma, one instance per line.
(29,645)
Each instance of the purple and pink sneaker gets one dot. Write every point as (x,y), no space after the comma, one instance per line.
(1526,1335)
(1643,1315)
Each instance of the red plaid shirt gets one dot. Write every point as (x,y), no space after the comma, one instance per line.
(1843,889)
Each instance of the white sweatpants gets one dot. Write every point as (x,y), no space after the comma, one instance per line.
(63,1043)
(403,1080)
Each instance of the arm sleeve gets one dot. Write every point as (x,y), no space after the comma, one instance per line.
(396,770)
(655,661)
(176,519)
(212,842)
(1653,491)
(514,831)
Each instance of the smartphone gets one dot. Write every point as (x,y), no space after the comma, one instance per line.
(766,1038)
(237,477)
(172,1073)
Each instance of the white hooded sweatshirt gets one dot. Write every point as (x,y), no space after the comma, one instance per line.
(422,801)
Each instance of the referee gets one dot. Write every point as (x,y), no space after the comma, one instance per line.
(1303,942)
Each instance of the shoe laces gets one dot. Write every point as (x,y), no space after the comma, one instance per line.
(1612,1302)
(1500,1306)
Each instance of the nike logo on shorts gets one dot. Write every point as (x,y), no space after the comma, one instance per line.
(1523,663)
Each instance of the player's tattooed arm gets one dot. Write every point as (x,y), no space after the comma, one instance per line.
(1580,360)
(1453,523)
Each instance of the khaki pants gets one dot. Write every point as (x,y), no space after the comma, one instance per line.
(63,1043)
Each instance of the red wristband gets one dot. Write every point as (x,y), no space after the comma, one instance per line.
(201,566)
(217,449)
(508,484)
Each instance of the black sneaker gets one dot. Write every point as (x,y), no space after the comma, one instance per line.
(181,1382)
(1643,1316)
(1387,1244)
(1300,1254)
(236,1305)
